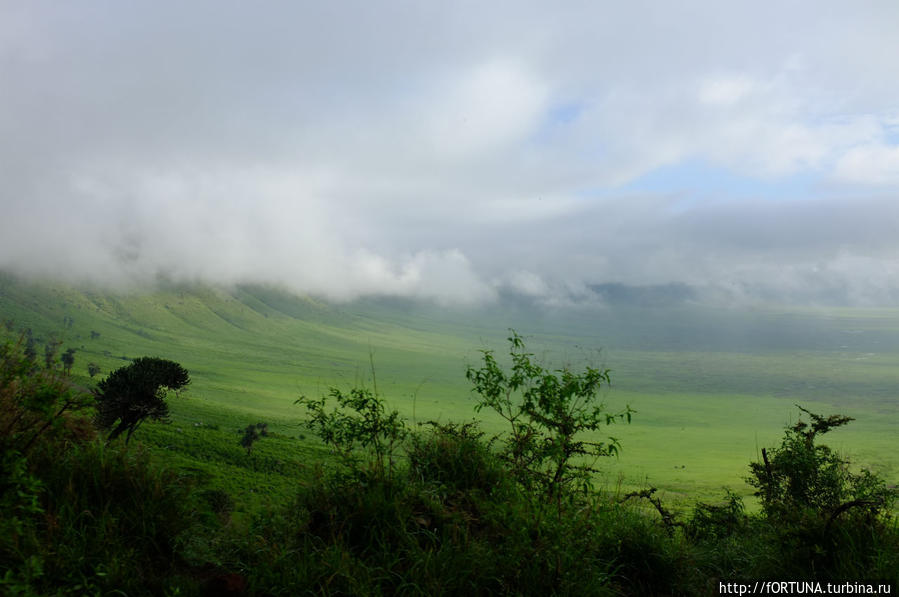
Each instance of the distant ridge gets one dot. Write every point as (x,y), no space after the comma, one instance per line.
(658,295)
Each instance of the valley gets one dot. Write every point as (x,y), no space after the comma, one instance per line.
(710,386)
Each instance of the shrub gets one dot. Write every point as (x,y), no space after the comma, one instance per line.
(359,420)
(454,456)
(802,479)
(823,520)
(34,401)
(548,414)
(717,521)
(252,434)
(219,500)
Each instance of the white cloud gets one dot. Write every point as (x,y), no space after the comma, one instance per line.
(527,283)
(437,150)
(725,90)
(874,164)
(483,109)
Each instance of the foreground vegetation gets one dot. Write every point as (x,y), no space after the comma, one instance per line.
(399,508)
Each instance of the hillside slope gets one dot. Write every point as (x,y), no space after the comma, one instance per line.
(710,386)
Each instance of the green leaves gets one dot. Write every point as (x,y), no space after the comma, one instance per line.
(32,399)
(801,478)
(136,392)
(359,420)
(548,411)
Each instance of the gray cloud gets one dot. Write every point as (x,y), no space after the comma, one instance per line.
(449,151)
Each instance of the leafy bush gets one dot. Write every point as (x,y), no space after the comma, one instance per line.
(548,413)
(802,479)
(438,527)
(35,405)
(822,519)
(454,520)
(34,402)
(359,420)
(717,521)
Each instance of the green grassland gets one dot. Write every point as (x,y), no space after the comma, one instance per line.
(711,386)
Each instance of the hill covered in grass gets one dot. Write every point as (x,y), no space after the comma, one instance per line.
(380,505)
(710,385)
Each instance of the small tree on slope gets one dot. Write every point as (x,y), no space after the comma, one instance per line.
(132,394)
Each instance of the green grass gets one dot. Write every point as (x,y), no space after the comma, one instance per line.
(710,386)
(187,511)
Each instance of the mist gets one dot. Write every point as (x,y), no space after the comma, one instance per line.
(459,153)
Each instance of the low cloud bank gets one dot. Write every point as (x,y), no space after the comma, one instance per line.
(454,153)
(291,233)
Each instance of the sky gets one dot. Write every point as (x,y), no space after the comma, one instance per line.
(455,151)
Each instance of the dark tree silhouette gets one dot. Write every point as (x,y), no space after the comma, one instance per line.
(251,434)
(30,350)
(135,393)
(93,369)
(68,359)
(50,350)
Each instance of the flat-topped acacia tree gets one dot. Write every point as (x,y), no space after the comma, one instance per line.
(135,393)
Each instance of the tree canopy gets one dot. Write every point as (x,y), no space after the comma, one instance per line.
(134,393)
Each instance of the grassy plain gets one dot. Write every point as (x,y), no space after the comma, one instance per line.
(711,386)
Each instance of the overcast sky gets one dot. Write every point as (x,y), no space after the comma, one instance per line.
(451,150)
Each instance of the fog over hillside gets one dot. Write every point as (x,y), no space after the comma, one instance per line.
(459,152)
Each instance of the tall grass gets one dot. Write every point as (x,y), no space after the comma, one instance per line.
(112,520)
(78,517)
